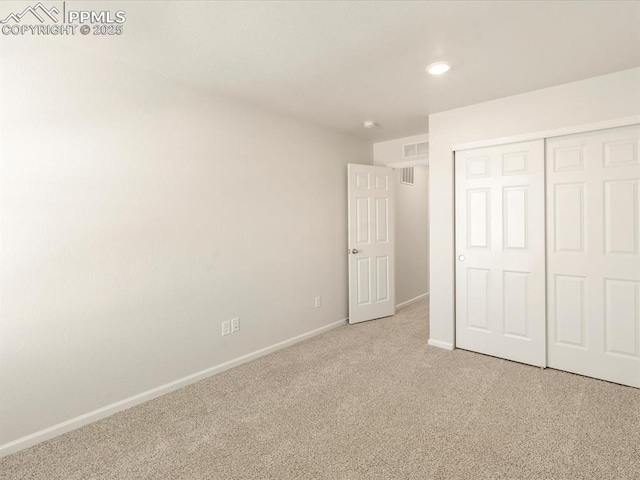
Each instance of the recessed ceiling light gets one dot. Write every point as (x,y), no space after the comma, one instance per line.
(438,68)
(369,124)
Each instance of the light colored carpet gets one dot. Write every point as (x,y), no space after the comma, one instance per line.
(370,401)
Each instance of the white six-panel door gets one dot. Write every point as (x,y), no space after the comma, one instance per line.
(500,252)
(371,242)
(593,241)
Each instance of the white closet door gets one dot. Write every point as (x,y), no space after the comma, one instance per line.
(500,251)
(593,241)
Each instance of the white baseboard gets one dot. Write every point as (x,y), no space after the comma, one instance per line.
(95,415)
(413,300)
(440,344)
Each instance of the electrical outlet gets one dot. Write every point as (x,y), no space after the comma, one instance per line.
(318,303)
(226,328)
(235,325)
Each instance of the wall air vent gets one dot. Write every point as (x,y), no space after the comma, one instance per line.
(412,150)
(407,176)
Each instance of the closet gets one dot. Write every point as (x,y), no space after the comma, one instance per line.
(548,252)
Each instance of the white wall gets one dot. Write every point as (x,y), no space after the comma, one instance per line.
(137,215)
(593,100)
(412,235)
(391,151)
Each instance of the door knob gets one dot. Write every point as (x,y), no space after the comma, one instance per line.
(461,258)
(355,250)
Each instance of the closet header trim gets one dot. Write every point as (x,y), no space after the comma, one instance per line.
(588,127)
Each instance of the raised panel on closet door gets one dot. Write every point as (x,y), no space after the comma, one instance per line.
(621,227)
(569,217)
(515,207)
(593,265)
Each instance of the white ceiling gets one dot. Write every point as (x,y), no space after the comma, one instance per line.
(339,63)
